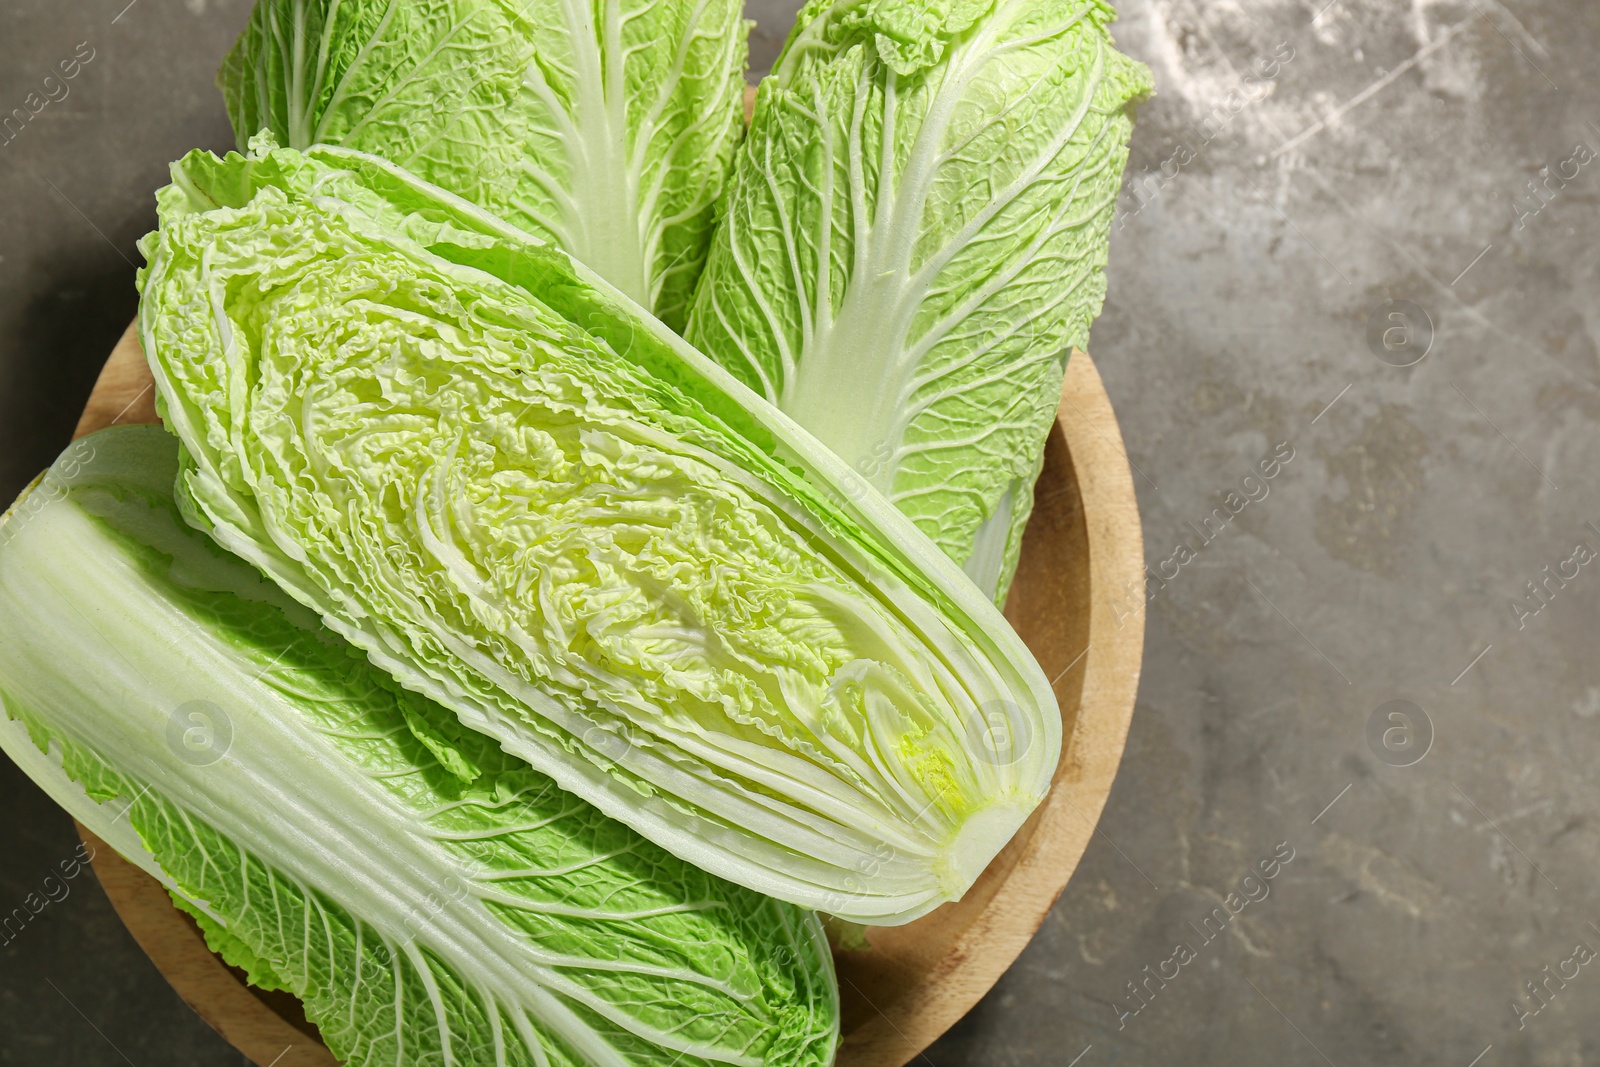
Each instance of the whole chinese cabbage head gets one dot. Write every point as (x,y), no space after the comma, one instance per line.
(915,238)
(606,129)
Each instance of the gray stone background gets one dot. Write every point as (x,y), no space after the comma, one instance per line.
(1393,162)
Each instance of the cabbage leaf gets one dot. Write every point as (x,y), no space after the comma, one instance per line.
(433,85)
(606,128)
(915,238)
(425,910)
(526,499)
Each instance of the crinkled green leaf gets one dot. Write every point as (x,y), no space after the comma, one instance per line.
(908,35)
(434,85)
(274,782)
(915,238)
(605,128)
(537,506)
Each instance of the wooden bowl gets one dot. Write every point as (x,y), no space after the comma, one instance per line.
(1078,602)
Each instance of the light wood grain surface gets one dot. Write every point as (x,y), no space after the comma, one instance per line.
(1078,603)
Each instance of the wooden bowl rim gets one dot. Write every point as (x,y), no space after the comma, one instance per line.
(1041,860)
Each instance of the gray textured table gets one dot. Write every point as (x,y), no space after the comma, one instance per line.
(1313,201)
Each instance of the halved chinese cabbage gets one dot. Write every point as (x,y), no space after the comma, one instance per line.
(527,499)
(429,899)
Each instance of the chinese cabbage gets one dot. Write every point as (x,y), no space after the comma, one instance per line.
(425,911)
(914,239)
(525,498)
(606,128)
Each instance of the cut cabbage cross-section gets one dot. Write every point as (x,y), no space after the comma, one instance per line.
(528,500)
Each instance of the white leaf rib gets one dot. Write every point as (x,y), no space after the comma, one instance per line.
(497,1034)
(818,281)
(554,229)
(550,183)
(299,102)
(306,904)
(716,105)
(329,22)
(355,986)
(937,263)
(684,975)
(862,214)
(430,986)
(399,1005)
(515,874)
(448,40)
(530,1039)
(567,911)
(356,65)
(1009,369)
(738,339)
(535,81)
(1029,258)
(293,101)
(644,132)
(499,805)
(914,492)
(498,832)
(763,305)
